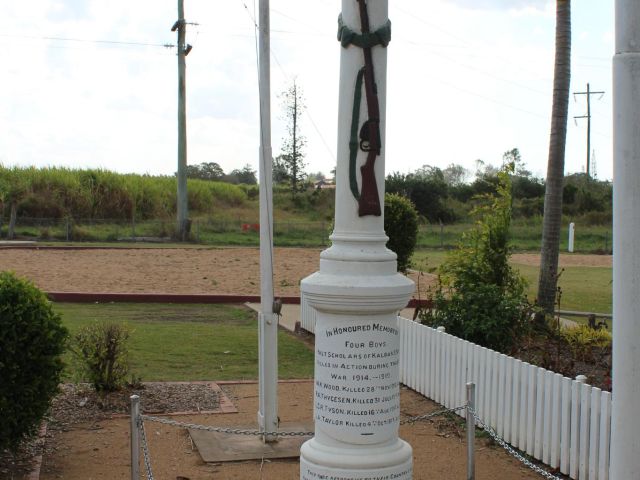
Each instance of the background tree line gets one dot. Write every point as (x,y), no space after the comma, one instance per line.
(447,195)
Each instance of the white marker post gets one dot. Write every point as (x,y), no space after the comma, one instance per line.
(572,233)
(268,322)
(625,421)
(357,294)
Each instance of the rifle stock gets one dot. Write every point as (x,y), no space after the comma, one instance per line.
(369,202)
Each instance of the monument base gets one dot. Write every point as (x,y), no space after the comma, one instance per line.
(391,462)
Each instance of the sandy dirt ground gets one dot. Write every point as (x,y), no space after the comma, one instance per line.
(566,260)
(101,450)
(231,271)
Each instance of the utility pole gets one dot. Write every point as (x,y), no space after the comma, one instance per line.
(183,51)
(588,93)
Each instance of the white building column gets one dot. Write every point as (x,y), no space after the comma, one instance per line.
(357,294)
(625,427)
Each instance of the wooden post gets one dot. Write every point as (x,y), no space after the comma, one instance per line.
(182,209)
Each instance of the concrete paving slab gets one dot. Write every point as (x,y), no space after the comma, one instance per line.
(291,314)
(217,447)
(5,243)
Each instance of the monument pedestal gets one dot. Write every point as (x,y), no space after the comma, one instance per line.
(356,394)
(391,461)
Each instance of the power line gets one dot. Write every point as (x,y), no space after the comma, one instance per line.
(492,100)
(287,77)
(86,40)
(484,72)
(466,42)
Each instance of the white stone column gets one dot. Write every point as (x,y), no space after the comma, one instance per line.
(625,421)
(357,294)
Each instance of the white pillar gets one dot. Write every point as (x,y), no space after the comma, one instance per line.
(267,321)
(357,294)
(572,233)
(625,421)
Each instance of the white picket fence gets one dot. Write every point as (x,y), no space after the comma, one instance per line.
(564,423)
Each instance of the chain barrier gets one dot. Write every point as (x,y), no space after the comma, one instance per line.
(145,449)
(510,450)
(410,420)
(234,431)
(418,418)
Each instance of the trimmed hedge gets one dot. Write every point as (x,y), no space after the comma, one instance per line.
(401,226)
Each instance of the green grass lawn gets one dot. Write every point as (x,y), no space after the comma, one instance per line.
(171,342)
(586,289)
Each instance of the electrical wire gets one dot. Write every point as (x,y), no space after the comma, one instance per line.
(85,40)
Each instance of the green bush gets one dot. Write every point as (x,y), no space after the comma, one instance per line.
(480,297)
(103,354)
(401,226)
(583,338)
(32,339)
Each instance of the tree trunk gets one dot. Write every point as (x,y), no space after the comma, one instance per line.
(12,220)
(294,167)
(548,280)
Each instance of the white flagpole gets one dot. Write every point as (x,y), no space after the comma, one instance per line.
(268,322)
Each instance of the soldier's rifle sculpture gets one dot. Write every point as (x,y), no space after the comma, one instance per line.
(369,136)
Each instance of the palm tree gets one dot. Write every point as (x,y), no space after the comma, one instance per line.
(548,281)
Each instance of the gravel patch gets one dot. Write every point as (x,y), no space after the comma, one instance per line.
(78,403)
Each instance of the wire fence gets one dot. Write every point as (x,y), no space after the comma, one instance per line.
(139,438)
(210,231)
(201,231)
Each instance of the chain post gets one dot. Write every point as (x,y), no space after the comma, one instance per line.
(512,451)
(135,437)
(471,431)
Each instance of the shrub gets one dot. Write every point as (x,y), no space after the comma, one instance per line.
(401,226)
(583,338)
(81,234)
(32,339)
(479,296)
(103,353)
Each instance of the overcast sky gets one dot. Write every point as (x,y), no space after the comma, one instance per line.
(467,80)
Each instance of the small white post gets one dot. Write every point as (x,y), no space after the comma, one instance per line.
(581,379)
(135,437)
(441,329)
(572,233)
(471,431)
